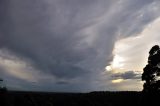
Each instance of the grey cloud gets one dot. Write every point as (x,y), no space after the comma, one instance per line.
(127,75)
(62,82)
(14,83)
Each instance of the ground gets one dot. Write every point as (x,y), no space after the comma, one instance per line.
(15,98)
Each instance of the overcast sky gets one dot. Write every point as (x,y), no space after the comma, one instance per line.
(76,45)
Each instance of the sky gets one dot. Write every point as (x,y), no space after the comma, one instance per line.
(76,45)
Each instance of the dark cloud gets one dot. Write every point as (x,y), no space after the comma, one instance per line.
(127,75)
(62,82)
(73,39)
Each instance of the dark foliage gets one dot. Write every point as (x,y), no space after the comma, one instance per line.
(151,72)
(78,99)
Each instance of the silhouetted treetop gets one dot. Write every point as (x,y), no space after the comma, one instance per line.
(153,49)
(151,73)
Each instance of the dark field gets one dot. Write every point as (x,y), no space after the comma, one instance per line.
(78,99)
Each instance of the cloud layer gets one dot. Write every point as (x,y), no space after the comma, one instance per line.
(69,43)
(127,75)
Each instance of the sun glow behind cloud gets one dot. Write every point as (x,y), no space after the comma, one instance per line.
(131,53)
(116,64)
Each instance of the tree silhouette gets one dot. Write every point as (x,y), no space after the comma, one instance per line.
(151,73)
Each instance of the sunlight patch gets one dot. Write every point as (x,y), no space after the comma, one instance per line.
(117,81)
(108,68)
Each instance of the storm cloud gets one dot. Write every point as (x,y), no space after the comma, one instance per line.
(70,42)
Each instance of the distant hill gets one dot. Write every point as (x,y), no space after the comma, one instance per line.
(15,98)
